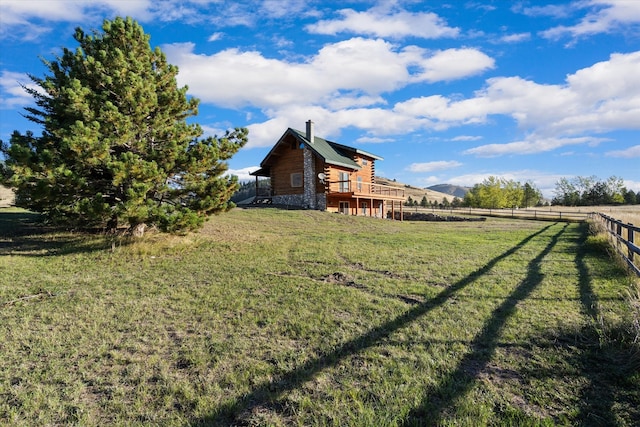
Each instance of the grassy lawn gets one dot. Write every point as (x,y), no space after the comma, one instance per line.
(271,317)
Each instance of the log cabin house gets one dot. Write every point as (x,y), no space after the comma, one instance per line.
(309,172)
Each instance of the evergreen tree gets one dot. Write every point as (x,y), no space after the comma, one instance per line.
(531,195)
(629,196)
(424,202)
(116,147)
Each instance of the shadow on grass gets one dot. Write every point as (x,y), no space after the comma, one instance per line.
(267,394)
(460,381)
(603,357)
(611,396)
(23,233)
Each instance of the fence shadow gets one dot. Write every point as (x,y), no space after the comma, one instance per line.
(603,360)
(460,381)
(268,394)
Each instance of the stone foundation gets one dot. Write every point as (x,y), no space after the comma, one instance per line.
(302,201)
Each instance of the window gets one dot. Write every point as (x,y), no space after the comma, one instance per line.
(359,183)
(344,182)
(365,162)
(296,179)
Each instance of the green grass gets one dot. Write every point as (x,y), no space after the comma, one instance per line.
(270,317)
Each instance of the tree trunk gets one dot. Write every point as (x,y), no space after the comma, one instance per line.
(138,230)
(112,225)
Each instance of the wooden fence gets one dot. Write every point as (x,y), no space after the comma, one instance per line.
(622,237)
(537,214)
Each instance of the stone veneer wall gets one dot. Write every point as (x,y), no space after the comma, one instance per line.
(309,180)
(321,201)
(300,201)
(289,200)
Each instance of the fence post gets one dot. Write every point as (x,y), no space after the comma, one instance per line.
(630,239)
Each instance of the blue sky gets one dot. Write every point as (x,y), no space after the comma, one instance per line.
(446,91)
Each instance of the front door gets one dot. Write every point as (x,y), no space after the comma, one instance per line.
(344,208)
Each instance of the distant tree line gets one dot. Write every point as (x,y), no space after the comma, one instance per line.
(592,191)
(425,203)
(500,193)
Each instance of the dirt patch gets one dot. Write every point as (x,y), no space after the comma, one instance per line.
(342,279)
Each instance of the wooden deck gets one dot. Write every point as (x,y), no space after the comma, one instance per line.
(360,189)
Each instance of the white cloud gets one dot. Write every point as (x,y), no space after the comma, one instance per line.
(466,138)
(381,23)
(18,11)
(360,69)
(374,140)
(628,153)
(552,10)
(13,94)
(215,37)
(596,99)
(604,16)
(243,174)
(282,8)
(600,98)
(515,38)
(450,64)
(531,145)
(632,185)
(430,180)
(433,166)
(27,19)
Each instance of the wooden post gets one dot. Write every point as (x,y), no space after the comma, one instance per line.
(257,194)
(630,239)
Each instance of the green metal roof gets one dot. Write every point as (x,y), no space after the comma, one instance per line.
(332,152)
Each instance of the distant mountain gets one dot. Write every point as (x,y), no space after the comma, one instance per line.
(414,192)
(453,190)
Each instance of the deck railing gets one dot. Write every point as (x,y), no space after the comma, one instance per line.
(360,188)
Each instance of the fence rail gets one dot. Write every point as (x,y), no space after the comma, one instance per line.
(616,231)
(537,214)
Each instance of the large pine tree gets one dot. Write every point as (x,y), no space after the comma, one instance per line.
(116,147)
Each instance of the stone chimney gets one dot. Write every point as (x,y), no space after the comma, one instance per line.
(310,133)
(309,171)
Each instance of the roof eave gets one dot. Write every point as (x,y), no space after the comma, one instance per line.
(344,165)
